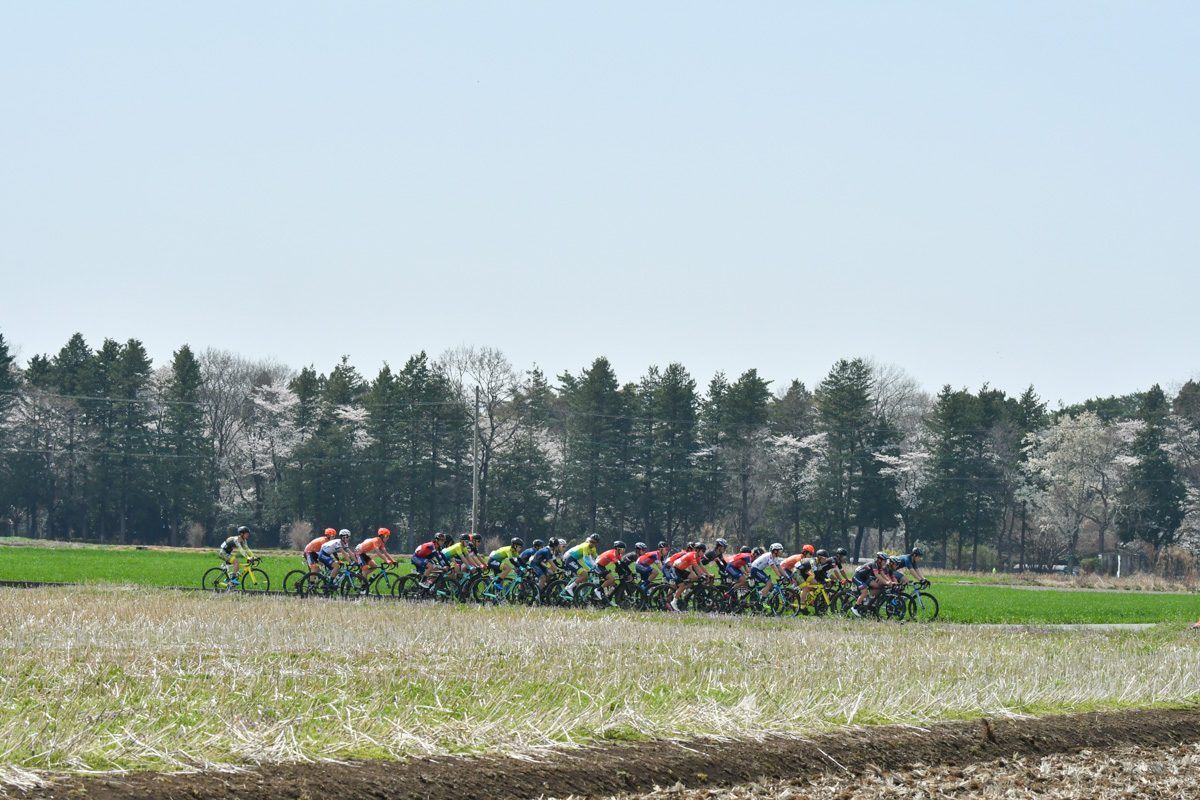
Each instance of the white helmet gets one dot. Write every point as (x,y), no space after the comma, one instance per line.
(776,547)
(345,534)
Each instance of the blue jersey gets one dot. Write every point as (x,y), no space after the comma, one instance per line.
(526,554)
(905,561)
(543,555)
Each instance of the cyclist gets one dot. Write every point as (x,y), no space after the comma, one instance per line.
(758,568)
(527,553)
(462,555)
(909,562)
(330,554)
(738,567)
(791,563)
(686,564)
(579,559)
(716,555)
(868,579)
(629,561)
(839,559)
(362,555)
(428,557)
(651,561)
(544,561)
(503,559)
(227,555)
(610,558)
(311,549)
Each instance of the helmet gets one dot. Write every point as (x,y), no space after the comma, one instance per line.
(243,531)
(539,544)
(808,548)
(517,542)
(756,552)
(662,545)
(344,534)
(822,553)
(384,533)
(746,549)
(475,537)
(882,556)
(699,546)
(918,552)
(618,545)
(330,532)
(442,537)
(562,542)
(595,537)
(776,546)
(894,561)
(722,543)
(639,546)
(841,551)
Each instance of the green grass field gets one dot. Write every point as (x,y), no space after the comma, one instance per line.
(959,603)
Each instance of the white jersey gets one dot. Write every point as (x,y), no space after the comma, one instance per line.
(333,547)
(764,561)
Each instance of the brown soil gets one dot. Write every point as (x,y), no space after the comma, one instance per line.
(614,769)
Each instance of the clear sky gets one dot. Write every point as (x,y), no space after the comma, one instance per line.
(1005,192)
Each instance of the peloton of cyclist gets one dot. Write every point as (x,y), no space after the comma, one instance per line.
(869,578)
(229,558)
(544,563)
(362,555)
(610,558)
(428,557)
(738,567)
(313,547)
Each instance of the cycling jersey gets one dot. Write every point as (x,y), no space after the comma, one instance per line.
(375,543)
(712,556)
(526,554)
(906,561)
(650,559)
(315,544)
(233,542)
(821,571)
(685,560)
(458,550)
(630,559)
(607,557)
(864,574)
(583,553)
(790,562)
(426,550)
(333,547)
(806,565)
(764,561)
(502,553)
(739,561)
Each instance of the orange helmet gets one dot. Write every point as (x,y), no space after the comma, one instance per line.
(808,549)
(330,532)
(384,533)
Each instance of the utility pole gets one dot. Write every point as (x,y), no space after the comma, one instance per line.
(475,469)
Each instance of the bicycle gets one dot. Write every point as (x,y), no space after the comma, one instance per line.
(248,579)
(922,606)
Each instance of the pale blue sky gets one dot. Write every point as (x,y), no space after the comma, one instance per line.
(1004,192)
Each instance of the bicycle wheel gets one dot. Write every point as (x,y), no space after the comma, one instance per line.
(527,592)
(383,584)
(405,588)
(310,584)
(658,597)
(215,580)
(255,581)
(290,580)
(628,596)
(922,607)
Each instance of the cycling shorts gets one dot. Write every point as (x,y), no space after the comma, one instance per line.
(759,575)
(225,557)
(419,564)
(602,571)
(861,584)
(645,571)
(364,560)
(311,558)
(325,558)
(495,564)
(539,568)
(734,572)
(572,566)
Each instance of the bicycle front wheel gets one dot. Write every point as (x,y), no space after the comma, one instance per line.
(215,580)
(922,607)
(255,580)
(292,579)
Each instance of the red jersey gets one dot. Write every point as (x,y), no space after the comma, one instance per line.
(426,550)
(740,560)
(650,559)
(608,557)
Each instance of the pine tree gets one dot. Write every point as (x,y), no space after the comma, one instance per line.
(843,404)
(1153,500)
(184,450)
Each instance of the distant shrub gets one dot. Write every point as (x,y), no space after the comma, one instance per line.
(298,534)
(194,535)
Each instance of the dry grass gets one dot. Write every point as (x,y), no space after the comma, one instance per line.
(108,678)
(1168,773)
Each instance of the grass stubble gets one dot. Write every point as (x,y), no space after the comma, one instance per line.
(108,678)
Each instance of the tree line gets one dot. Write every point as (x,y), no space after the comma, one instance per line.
(100,445)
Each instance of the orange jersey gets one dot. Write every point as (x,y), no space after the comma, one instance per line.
(315,544)
(370,544)
(790,562)
(684,560)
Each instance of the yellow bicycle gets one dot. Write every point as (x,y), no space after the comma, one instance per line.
(248,579)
